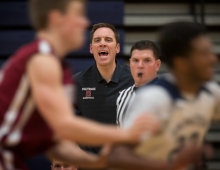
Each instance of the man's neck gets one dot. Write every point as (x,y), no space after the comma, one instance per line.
(107,71)
(58,47)
(187,84)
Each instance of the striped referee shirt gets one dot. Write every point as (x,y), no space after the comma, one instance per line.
(125,99)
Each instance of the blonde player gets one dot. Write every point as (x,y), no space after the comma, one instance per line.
(36,86)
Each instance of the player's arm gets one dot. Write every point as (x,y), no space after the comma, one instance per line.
(154,101)
(123,157)
(70,153)
(44,72)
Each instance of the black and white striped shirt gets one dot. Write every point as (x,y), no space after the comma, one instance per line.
(125,97)
(124,100)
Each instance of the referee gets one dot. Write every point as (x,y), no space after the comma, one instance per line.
(144,64)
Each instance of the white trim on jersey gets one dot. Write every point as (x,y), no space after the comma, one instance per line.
(123,101)
(12,113)
(15,135)
(44,47)
(8,159)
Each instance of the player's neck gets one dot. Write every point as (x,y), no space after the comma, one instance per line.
(187,84)
(58,47)
(107,71)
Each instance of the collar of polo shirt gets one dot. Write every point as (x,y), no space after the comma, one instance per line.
(115,77)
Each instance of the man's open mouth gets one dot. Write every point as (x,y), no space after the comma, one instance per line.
(103,53)
(140,74)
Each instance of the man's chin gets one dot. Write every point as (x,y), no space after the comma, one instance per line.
(104,63)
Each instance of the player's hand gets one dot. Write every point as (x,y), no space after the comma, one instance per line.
(143,126)
(187,156)
(102,161)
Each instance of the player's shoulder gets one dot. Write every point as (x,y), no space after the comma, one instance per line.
(154,92)
(165,86)
(40,60)
(44,66)
(43,58)
(36,46)
(213,88)
(37,53)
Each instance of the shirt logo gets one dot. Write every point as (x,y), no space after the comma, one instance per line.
(88,92)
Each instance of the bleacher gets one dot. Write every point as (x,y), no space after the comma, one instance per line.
(135,19)
(15,28)
(143,19)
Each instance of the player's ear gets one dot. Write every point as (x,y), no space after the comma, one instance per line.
(90,48)
(158,64)
(55,18)
(117,48)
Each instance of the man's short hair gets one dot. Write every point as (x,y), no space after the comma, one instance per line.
(104,25)
(146,45)
(39,10)
(175,40)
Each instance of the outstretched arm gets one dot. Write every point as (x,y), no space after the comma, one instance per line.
(123,157)
(70,153)
(45,75)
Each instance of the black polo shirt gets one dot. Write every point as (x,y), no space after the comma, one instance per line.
(96,99)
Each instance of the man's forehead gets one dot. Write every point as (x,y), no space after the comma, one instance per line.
(103,32)
(142,53)
(58,163)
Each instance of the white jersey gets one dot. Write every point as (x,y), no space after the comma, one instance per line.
(125,99)
(185,117)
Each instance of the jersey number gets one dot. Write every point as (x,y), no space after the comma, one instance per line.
(182,141)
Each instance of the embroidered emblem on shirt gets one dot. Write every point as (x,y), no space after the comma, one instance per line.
(88,92)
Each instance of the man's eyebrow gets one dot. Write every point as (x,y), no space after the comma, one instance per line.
(147,57)
(134,58)
(66,164)
(56,164)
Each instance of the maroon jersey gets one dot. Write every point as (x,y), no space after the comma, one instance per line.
(23,131)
